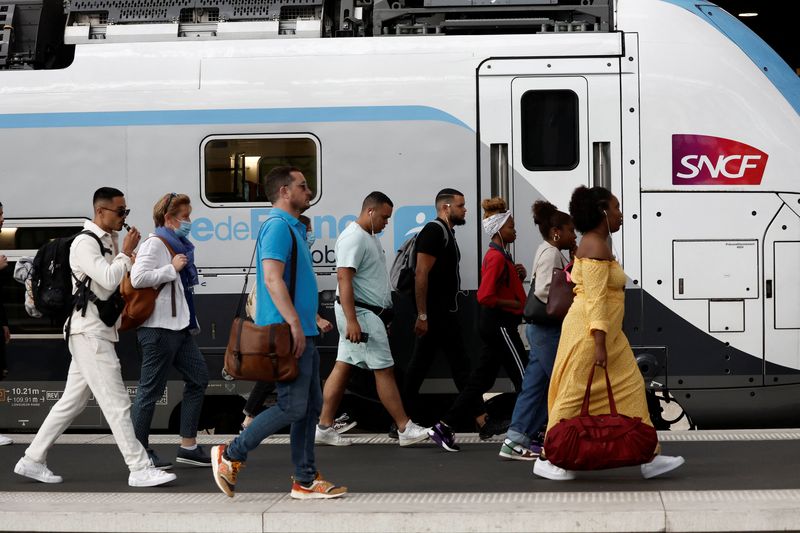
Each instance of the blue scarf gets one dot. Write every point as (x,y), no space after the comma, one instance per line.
(189,278)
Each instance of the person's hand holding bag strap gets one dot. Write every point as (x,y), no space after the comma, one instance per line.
(262,353)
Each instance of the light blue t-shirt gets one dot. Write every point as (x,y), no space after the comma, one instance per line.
(275,242)
(357,249)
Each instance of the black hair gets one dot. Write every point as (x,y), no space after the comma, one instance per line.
(276,178)
(547,216)
(587,206)
(106,193)
(376,199)
(446,195)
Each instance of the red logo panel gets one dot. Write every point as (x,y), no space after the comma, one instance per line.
(707,160)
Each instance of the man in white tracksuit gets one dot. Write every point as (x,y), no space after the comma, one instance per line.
(95,368)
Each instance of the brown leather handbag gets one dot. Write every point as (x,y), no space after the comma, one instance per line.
(140,303)
(560,297)
(262,353)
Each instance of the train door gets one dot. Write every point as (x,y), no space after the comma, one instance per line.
(546,127)
(781,294)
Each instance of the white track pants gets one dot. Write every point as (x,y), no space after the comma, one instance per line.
(94,369)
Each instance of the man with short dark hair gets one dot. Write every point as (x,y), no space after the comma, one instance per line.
(299,401)
(437,283)
(98,265)
(363,311)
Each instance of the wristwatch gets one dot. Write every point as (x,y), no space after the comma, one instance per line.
(422,316)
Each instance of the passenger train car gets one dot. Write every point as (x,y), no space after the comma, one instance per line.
(687,116)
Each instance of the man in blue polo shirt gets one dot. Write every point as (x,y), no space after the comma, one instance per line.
(299,401)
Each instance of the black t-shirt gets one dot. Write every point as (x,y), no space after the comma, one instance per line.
(444,279)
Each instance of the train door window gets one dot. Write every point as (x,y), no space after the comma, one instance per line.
(550,131)
(18,241)
(235,167)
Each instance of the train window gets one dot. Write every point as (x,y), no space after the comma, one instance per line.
(550,132)
(16,243)
(235,168)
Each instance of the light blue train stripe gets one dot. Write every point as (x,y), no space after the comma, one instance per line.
(292,115)
(766,59)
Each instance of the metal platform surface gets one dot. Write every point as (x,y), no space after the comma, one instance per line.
(732,481)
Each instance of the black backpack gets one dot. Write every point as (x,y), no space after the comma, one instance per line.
(51,276)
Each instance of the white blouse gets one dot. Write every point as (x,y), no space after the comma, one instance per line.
(546,259)
(151,268)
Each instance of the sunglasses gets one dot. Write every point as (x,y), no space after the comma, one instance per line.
(120,211)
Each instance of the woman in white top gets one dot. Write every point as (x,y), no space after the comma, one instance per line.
(166,260)
(525,434)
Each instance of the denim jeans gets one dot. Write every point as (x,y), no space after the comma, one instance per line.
(530,411)
(299,405)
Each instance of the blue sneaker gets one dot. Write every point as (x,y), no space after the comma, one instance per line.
(196,457)
(444,437)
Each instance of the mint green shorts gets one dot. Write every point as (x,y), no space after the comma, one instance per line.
(374,354)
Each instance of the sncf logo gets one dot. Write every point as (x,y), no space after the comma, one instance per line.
(706,160)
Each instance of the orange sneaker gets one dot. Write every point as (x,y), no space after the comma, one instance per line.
(224,470)
(319,489)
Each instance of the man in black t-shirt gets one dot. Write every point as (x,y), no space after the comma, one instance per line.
(436,287)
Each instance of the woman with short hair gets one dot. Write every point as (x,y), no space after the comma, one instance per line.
(166,261)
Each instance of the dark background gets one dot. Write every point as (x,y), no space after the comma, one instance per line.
(774,24)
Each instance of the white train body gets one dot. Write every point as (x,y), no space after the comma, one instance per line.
(687,118)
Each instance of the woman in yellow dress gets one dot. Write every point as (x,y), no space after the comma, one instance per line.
(592,333)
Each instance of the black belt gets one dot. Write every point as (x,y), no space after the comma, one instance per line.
(384,313)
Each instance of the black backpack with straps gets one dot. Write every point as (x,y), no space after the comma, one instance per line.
(51,276)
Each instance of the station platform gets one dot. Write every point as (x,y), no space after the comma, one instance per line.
(746,480)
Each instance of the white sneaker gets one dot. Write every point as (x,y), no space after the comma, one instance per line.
(150,477)
(343,424)
(413,434)
(38,471)
(5,441)
(330,437)
(661,464)
(546,469)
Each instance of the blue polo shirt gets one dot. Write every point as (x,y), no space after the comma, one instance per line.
(275,242)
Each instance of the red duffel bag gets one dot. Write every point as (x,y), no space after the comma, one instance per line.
(596,442)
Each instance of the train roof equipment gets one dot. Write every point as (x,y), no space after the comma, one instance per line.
(42,34)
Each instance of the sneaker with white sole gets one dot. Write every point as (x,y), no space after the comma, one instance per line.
(224,470)
(150,477)
(413,434)
(546,469)
(330,437)
(38,471)
(319,489)
(661,464)
(5,441)
(518,452)
(343,424)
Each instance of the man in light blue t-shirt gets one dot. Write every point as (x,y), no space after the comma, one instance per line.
(363,302)
(299,401)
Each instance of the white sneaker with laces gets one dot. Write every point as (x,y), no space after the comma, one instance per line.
(5,441)
(38,471)
(330,437)
(546,469)
(343,424)
(413,434)
(661,464)
(150,477)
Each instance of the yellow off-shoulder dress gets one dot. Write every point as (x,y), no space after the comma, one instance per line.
(599,305)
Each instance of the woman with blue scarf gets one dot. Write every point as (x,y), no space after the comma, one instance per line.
(165,261)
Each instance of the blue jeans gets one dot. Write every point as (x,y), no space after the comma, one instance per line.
(530,411)
(299,405)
